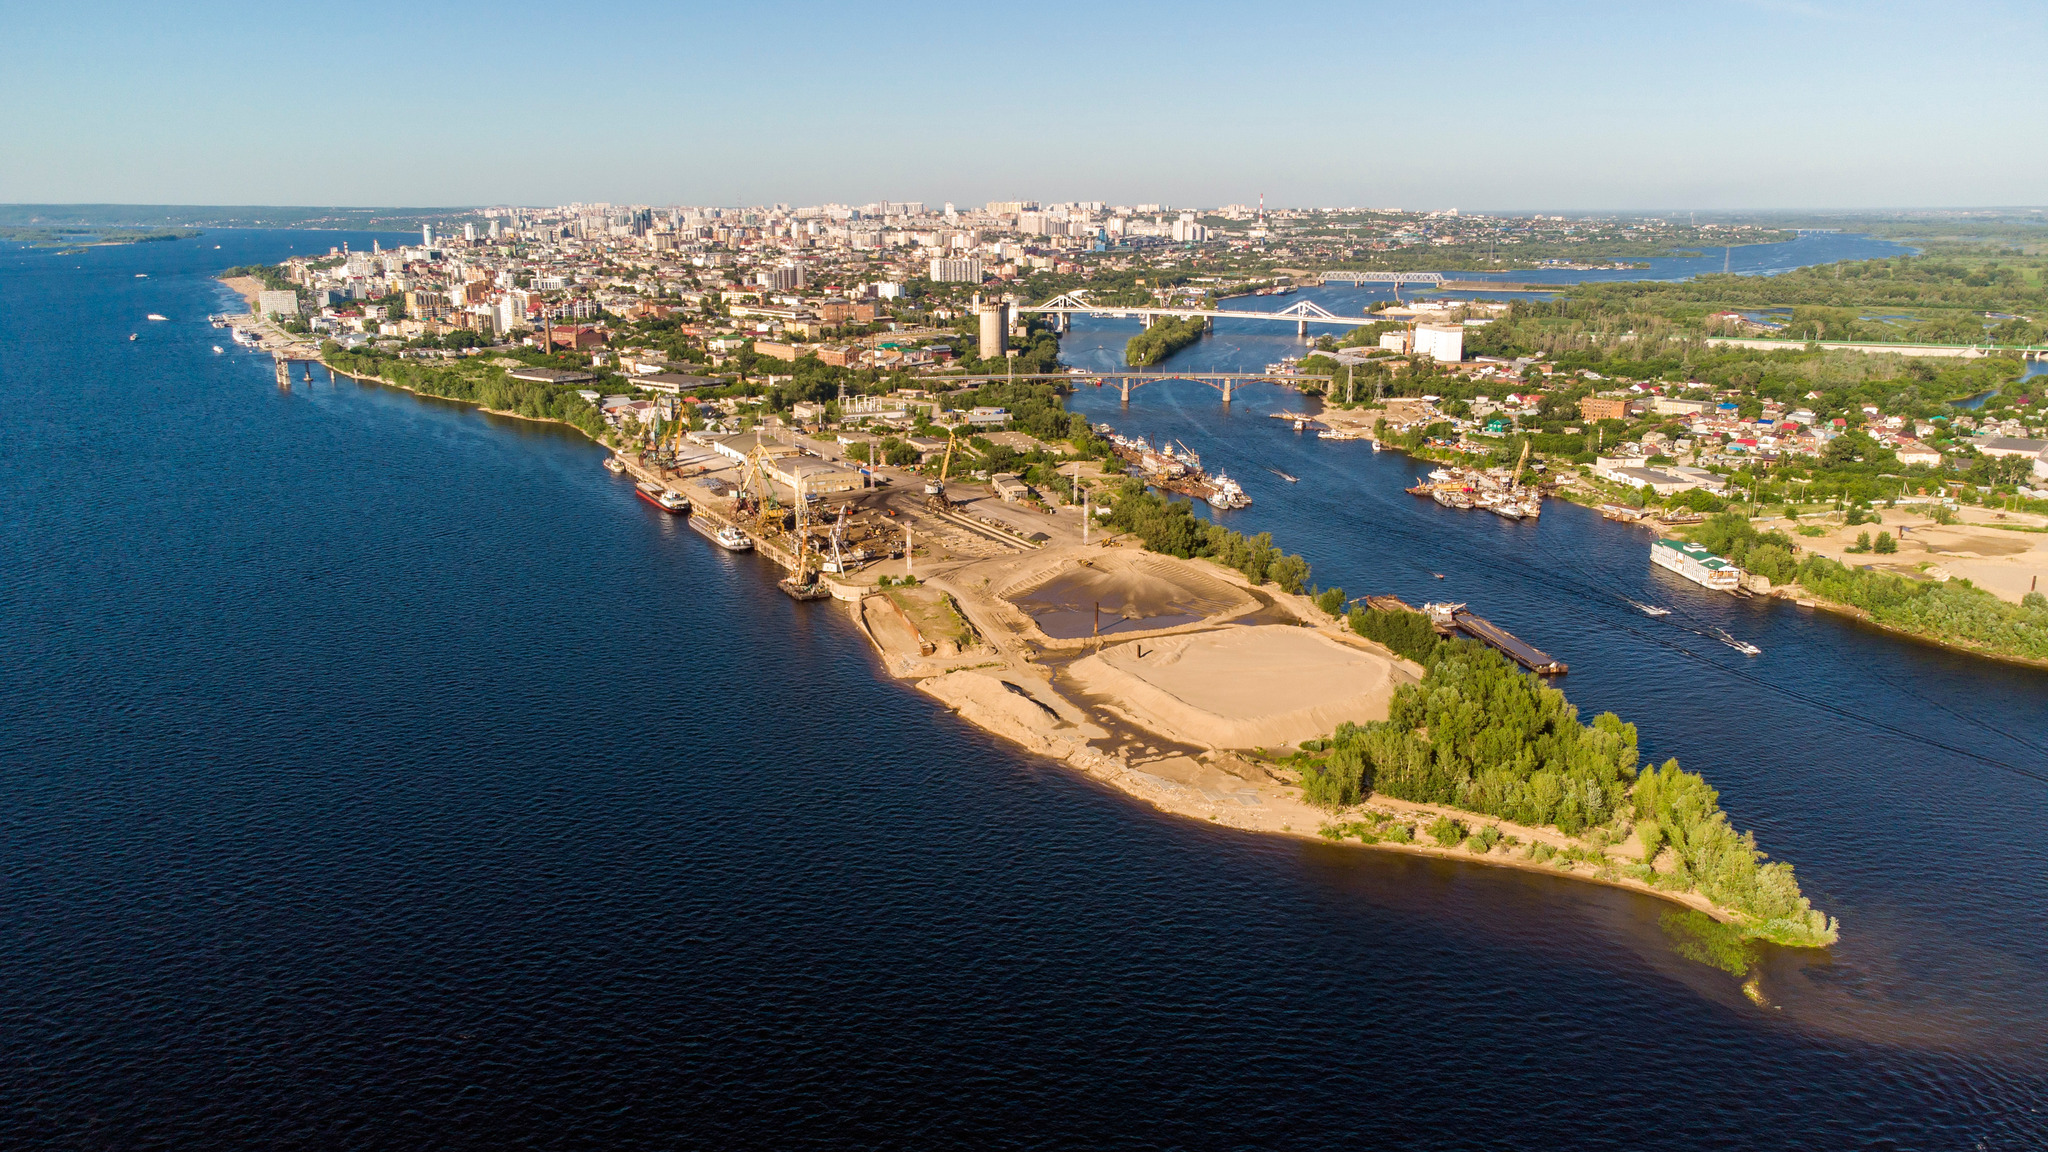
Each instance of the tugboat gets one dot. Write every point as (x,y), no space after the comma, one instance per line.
(1226,493)
(614,465)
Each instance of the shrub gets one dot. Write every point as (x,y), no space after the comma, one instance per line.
(1342,780)
(1446,831)
(1400,834)
(1331,601)
(1884,544)
(1405,633)
(1482,841)
(1862,543)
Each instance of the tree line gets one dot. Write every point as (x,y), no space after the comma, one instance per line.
(1477,733)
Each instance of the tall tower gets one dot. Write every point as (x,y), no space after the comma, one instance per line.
(427,235)
(994,316)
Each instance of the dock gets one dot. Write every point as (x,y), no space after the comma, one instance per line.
(1451,619)
(1507,643)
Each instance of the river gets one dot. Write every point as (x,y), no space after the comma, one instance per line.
(380,773)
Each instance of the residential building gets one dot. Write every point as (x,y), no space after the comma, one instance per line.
(1445,342)
(1603,408)
(952,271)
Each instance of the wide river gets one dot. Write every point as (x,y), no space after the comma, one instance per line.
(375,773)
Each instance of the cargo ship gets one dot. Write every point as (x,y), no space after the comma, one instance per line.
(674,503)
(725,535)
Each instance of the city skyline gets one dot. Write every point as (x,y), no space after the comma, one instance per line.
(1586,107)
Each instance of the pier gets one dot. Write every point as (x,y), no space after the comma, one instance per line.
(1451,619)
(1500,639)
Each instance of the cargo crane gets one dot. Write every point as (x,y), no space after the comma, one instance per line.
(935,496)
(754,484)
(802,583)
(837,565)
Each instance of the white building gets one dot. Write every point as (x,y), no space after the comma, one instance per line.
(277,303)
(1440,341)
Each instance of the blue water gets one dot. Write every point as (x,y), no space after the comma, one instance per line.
(375,773)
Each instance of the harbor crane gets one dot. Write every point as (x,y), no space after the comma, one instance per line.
(935,491)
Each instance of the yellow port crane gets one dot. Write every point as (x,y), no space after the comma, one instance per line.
(937,488)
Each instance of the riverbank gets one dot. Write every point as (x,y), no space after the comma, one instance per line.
(1167,723)
(249,288)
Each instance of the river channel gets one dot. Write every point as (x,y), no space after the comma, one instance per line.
(377,773)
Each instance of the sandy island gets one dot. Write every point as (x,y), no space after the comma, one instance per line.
(1183,715)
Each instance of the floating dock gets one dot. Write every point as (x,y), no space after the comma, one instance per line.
(1509,645)
(1450,619)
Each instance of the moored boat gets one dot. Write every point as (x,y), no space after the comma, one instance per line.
(1226,493)
(663,498)
(724,535)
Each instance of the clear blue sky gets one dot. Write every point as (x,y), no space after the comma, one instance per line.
(1711,104)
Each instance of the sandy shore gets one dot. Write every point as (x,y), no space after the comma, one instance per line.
(1171,716)
(2004,553)
(250,288)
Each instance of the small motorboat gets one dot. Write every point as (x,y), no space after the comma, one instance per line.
(132,336)
(614,464)
(1283,475)
(1742,646)
(154,316)
(1438,575)
(1648,609)
(216,349)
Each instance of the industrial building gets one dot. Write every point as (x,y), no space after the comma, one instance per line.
(994,316)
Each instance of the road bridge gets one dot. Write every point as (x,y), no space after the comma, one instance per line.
(1128,378)
(1303,313)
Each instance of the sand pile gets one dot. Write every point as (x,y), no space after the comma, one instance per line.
(1132,595)
(1246,687)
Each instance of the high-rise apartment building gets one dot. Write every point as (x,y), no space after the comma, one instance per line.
(960,271)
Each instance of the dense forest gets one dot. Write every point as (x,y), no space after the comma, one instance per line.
(1478,734)
(1162,339)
